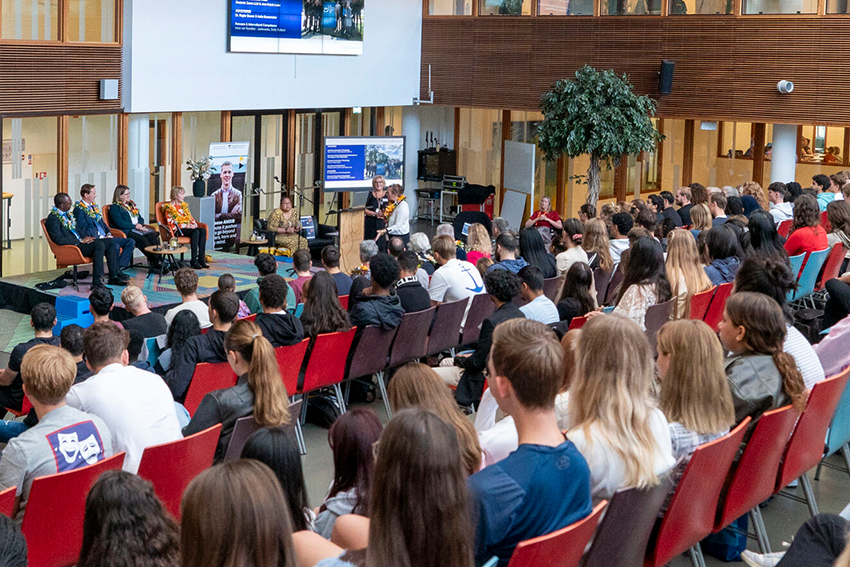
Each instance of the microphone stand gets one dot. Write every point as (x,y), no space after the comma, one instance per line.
(301,200)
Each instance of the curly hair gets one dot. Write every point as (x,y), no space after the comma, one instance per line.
(754,189)
(126,524)
(265,263)
(806,213)
(273,290)
(384,269)
(502,284)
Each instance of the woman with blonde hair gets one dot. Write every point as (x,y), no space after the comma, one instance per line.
(595,242)
(694,395)
(417,385)
(259,391)
(684,270)
(701,219)
(478,243)
(181,222)
(613,418)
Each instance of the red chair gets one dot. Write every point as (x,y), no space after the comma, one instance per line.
(343,300)
(807,445)
(25,408)
(445,329)
(481,308)
(690,516)
(290,359)
(66,255)
(824,222)
(552,286)
(7,501)
(326,365)
(562,548)
(252,317)
(700,302)
(208,377)
(53,519)
(577,322)
(714,314)
(172,466)
(655,318)
(754,477)
(784,228)
(832,266)
(369,356)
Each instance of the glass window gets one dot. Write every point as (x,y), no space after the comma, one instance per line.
(687,7)
(200,129)
(565,8)
(631,7)
(449,7)
(91,21)
(825,145)
(780,7)
(93,155)
(837,7)
(723,155)
(504,8)
(30,19)
(479,146)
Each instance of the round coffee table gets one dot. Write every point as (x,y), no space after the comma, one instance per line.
(168,262)
(253,245)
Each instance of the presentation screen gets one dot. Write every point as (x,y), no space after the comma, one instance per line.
(352,162)
(319,27)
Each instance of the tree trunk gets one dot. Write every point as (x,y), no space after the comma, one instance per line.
(593,180)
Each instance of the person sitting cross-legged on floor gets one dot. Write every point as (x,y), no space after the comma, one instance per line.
(65,438)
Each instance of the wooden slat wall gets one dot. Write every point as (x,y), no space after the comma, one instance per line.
(57,79)
(726,67)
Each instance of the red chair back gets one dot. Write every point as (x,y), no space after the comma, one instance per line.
(832,266)
(481,308)
(326,365)
(53,519)
(551,287)
(808,442)
(655,318)
(7,501)
(714,314)
(601,279)
(371,352)
(445,330)
(208,377)
(290,360)
(824,221)
(411,341)
(700,302)
(690,516)
(754,477)
(577,322)
(252,317)
(613,284)
(784,228)
(172,466)
(562,548)
(343,300)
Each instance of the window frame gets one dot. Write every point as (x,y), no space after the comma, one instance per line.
(63,39)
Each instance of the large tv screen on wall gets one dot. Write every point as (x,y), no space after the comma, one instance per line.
(352,162)
(319,27)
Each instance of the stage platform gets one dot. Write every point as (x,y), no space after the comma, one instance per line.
(19,293)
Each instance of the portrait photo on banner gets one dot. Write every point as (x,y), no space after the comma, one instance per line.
(226,185)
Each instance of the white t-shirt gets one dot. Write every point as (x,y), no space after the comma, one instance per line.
(136,406)
(197,307)
(541,309)
(497,439)
(399,221)
(805,356)
(456,280)
(569,257)
(607,471)
(617,247)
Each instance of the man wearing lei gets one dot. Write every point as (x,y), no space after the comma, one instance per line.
(90,223)
(398,215)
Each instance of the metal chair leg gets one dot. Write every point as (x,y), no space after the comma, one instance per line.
(383,389)
(303,408)
(299,436)
(761,531)
(338,392)
(845,451)
(817,471)
(697,558)
(810,496)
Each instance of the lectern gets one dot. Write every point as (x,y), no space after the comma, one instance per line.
(350,235)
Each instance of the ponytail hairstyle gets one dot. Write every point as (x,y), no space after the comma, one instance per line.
(271,406)
(573,232)
(770,276)
(764,333)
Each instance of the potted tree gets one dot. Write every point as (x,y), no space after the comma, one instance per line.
(596,113)
(201,171)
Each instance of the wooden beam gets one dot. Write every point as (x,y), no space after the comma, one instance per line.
(759,130)
(176,148)
(456,134)
(225,126)
(123,148)
(561,187)
(688,154)
(621,175)
(292,150)
(380,120)
(506,135)
(659,160)
(62,154)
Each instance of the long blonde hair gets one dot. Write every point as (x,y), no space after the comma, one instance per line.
(610,396)
(701,217)
(416,385)
(684,268)
(271,406)
(595,241)
(478,239)
(695,392)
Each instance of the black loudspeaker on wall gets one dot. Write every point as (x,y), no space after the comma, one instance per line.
(665,77)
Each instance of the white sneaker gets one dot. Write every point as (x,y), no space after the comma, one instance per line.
(762,559)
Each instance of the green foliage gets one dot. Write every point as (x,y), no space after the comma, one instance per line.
(596,113)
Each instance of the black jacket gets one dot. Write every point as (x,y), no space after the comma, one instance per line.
(471,384)
(281,329)
(382,310)
(224,407)
(87,226)
(202,348)
(58,233)
(119,217)
(413,296)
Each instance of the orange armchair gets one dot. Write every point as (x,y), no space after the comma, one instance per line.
(165,231)
(66,254)
(115,232)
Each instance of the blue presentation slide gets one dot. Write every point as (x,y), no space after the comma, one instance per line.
(266,18)
(352,162)
(345,163)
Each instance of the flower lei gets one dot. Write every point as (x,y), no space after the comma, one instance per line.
(130,208)
(461,245)
(179,216)
(91,210)
(361,271)
(388,212)
(66,219)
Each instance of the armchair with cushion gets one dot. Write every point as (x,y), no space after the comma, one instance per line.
(66,255)
(165,232)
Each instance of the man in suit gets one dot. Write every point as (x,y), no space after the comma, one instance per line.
(228,199)
(63,230)
(90,223)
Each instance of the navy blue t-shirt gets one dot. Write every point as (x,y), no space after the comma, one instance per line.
(535,491)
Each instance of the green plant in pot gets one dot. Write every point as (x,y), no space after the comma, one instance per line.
(596,113)
(201,171)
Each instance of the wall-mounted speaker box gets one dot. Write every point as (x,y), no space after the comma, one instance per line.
(665,77)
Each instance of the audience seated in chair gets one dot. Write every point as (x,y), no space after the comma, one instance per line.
(645,283)
(375,305)
(395,248)
(226,282)
(409,289)
(42,321)
(323,312)
(208,347)
(266,265)
(134,350)
(538,307)
(576,296)
(63,230)
(186,282)
(71,339)
(136,405)
(143,320)
(362,276)
(301,263)
(330,262)
(100,301)
(507,248)
(279,326)
(259,391)
(184,326)
(621,224)
(90,223)
(455,279)
(64,438)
